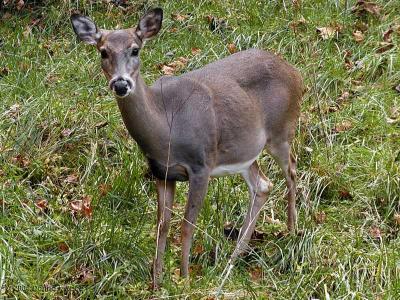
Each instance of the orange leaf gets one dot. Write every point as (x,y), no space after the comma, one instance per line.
(63,247)
(232,48)
(41,204)
(196,51)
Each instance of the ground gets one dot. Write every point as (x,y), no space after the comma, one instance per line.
(78,214)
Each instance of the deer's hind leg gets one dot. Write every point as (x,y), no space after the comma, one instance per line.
(281,153)
(259,187)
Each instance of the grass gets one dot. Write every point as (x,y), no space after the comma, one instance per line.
(62,140)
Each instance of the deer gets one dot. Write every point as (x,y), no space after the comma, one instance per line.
(210,122)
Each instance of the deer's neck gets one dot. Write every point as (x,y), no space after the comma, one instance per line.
(144,118)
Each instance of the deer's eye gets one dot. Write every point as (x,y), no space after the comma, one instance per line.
(104,54)
(135,51)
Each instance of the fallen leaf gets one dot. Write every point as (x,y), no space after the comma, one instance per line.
(366,7)
(345,195)
(4,71)
(41,204)
(82,207)
(343,126)
(101,125)
(308,149)
(175,66)
(173,29)
(384,46)
(375,232)
(20,4)
(179,17)
(255,273)
(85,275)
(198,249)
(320,217)
(66,132)
(358,36)
(195,269)
(396,218)
(327,32)
(295,25)
(87,208)
(63,247)
(345,96)
(296,4)
(6,16)
(387,35)
(27,32)
(72,178)
(195,51)
(232,48)
(397,88)
(21,161)
(104,189)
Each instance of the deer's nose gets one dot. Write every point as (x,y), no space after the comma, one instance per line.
(121,87)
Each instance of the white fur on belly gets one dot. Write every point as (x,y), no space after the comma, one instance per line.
(223,170)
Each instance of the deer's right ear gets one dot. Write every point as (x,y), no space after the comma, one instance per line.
(85,29)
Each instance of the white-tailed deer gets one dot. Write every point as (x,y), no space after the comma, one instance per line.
(210,122)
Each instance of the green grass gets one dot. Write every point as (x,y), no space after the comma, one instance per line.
(351,174)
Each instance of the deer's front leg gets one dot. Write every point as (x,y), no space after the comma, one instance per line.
(165,198)
(198,184)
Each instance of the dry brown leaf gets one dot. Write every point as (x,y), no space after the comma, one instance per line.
(41,204)
(345,195)
(358,36)
(20,4)
(195,269)
(295,25)
(66,132)
(72,178)
(255,273)
(85,275)
(173,29)
(179,17)
(167,70)
(232,48)
(63,247)
(6,16)
(195,51)
(327,32)
(82,207)
(384,46)
(366,7)
(320,217)
(21,161)
(375,232)
(387,35)
(198,249)
(345,96)
(175,66)
(396,218)
(343,126)
(104,189)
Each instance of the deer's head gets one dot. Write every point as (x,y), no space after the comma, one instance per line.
(119,49)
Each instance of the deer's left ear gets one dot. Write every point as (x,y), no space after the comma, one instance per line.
(85,29)
(150,24)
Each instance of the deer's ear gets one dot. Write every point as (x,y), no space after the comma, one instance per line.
(150,24)
(85,29)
